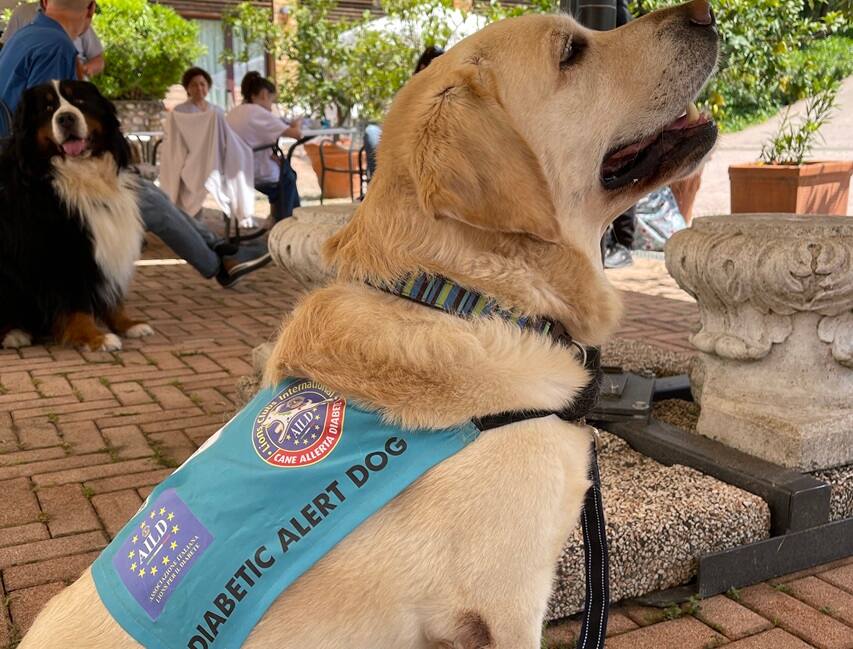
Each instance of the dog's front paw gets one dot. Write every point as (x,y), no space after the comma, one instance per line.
(17,338)
(139,331)
(111,343)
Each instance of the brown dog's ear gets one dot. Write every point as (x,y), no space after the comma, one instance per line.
(471,164)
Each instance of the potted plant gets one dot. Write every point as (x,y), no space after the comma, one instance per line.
(783,181)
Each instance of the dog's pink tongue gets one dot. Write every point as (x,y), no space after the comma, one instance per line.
(74,147)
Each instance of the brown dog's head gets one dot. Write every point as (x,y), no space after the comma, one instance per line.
(533,133)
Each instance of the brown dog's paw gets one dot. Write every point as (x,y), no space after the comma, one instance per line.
(105,343)
(139,330)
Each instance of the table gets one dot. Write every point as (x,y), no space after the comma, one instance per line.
(148,141)
(310,133)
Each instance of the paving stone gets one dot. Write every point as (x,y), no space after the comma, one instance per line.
(51,548)
(565,632)
(19,503)
(65,569)
(82,436)
(130,393)
(53,386)
(132,480)
(22,534)
(643,615)
(128,442)
(797,618)
(174,446)
(773,639)
(116,508)
(49,467)
(35,455)
(684,633)
(106,468)
(25,604)
(841,577)
(92,389)
(34,434)
(825,597)
(68,511)
(730,618)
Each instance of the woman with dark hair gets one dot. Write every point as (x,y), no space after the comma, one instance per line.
(255,122)
(430,53)
(197,83)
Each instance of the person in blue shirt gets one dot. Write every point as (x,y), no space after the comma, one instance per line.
(44,49)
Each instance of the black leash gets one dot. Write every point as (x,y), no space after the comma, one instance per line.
(445,295)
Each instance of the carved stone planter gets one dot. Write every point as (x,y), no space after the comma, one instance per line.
(296,243)
(775,374)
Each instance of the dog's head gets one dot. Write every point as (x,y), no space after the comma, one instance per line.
(539,126)
(71,119)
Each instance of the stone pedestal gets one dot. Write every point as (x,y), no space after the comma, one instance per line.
(296,243)
(775,374)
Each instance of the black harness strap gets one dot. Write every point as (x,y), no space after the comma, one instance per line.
(445,295)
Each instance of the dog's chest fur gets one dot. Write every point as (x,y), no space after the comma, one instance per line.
(107,204)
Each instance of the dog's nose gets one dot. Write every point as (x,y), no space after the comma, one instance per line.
(700,12)
(66,120)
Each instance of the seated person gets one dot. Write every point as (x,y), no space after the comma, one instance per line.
(88,45)
(373,132)
(254,121)
(43,50)
(197,83)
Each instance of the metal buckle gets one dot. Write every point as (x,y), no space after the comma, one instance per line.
(582,350)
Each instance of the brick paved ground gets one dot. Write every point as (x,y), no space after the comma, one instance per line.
(85,436)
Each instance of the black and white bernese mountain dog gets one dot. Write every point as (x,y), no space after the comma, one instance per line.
(70,229)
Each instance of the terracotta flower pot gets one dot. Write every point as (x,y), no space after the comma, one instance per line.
(336,184)
(810,188)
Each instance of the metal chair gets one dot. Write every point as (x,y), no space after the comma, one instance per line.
(349,170)
(283,205)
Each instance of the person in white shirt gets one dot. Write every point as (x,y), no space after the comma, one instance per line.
(197,83)
(254,121)
(89,47)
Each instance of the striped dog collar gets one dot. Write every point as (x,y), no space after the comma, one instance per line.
(446,295)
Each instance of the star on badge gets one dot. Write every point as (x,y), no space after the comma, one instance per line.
(135,538)
(162,511)
(170,516)
(133,567)
(153,570)
(131,554)
(165,561)
(141,572)
(175,529)
(151,515)
(173,545)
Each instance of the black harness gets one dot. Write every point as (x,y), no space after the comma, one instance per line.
(445,295)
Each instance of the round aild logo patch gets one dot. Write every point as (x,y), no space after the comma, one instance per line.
(300,426)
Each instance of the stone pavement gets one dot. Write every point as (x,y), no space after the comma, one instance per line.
(85,436)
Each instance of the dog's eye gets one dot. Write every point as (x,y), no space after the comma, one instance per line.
(572,47)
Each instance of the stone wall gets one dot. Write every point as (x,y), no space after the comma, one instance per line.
(140,115)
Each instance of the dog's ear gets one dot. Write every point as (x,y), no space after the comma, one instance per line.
(470,162)
(117,144)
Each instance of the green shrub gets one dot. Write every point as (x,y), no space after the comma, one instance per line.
(147,47)
(761,67)
(358,74)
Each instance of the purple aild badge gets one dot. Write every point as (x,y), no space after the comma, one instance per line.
(159,551)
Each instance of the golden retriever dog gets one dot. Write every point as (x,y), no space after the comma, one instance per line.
(500,166)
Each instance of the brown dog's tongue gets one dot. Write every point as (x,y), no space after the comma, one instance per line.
(74,147)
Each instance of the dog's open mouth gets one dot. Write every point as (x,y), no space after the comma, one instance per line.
(75,146)
(628,165)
